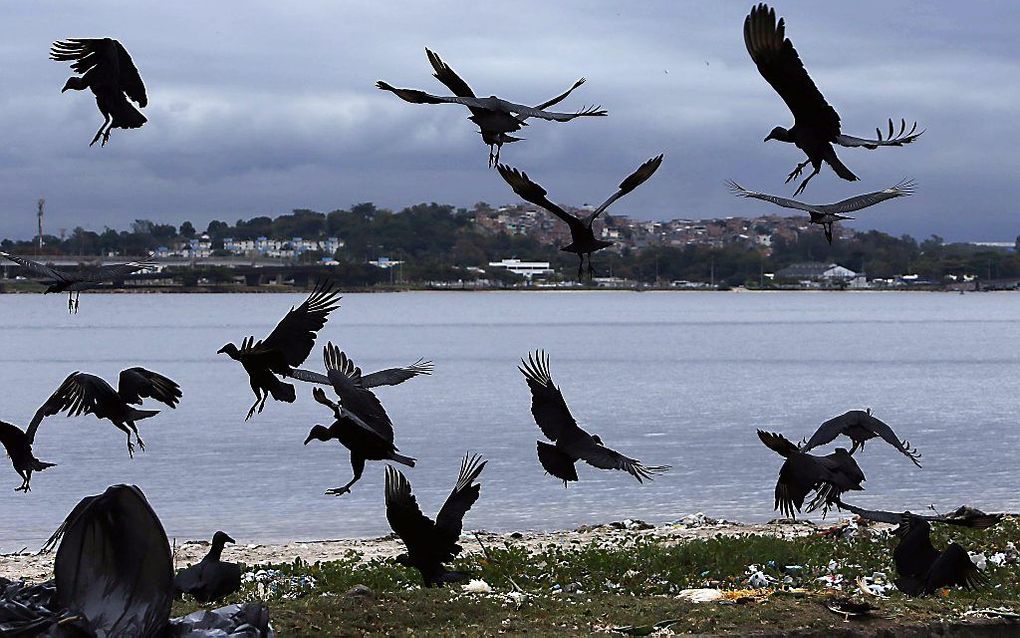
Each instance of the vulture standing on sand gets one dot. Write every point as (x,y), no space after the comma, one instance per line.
(74,282)
(286,347)
(431,544)
(860,427)
(922,569)
(828,476)
(816,124)
(362,425)
(571,442)
(495,117)
(582,237)
(825,215)
(19,448)
(210,579)
(83,393)
(105,68)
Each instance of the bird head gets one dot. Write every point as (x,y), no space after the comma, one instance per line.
(230,350)
(74,83)
(221,538)
(597,439)
(778,133)
(318,433)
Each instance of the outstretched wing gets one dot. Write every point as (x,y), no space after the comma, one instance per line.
(604,458)
(903,189)
(116,271)
(829,430)
(289,344)
(496,104)
(355,399)
(80,393)
(547,404)
(36,268)
(447,76)
(451,517)
(529,191)
(953,567)
(138,383)
(777,443)
(396,376)
(12,438)
(785,202)
(562,96)
(779,64)
(130,80)
(891,139)
(106,56)
(976,520)
(404,514)
(632,181)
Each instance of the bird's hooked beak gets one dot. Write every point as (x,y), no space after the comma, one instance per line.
(309,439)
(230,540)
(224,350)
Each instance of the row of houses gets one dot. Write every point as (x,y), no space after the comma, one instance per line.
(202,247)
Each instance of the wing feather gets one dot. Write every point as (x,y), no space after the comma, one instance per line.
(547,404)
(138,383)
(632,181)
(529,191)
(450,519)
(289,344)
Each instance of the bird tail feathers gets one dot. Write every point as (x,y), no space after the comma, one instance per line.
(138,415)
(283,392)
(400,458)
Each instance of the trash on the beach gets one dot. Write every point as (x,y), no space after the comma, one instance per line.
(997,559)
(359,591)
(741,596)
(874,586)
(979,560)
(516,598)
(273,583)
(994,612)
(757,578)
(849,607)
(477,587)
(701,595)
(631,524)
(659,628)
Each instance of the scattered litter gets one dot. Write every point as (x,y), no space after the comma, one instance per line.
(660,628)
(994,612)
(477,587)
(979,560)
(849,607)
(702,595)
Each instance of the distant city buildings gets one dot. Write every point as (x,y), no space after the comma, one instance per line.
(526,269)
(202,247)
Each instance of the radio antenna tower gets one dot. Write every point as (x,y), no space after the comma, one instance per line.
(39,215)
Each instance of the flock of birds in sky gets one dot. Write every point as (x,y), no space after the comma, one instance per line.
(360,421)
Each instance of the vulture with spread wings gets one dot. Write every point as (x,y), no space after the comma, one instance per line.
(571,443)
(495,118)
(860,426)
(429,543)
(827,476)
(286,347)
(104,66)
(83,393)
(19,448)
(74,282)
(362,425)
(210,579)
(816,124)
(825,215)
(582,237)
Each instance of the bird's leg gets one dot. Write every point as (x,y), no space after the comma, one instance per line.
(70,302)
(131,447)
(580,267)
(803,185)
(25,478)
(77,295)
(856,446)
(591,269)
(358,465)
(797,171)
(254,406)
(106,120)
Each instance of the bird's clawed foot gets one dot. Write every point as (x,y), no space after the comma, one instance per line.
(797,171)
(25,487)
(131,448)
(339,491)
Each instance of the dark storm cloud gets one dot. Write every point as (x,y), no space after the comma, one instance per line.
(260,107)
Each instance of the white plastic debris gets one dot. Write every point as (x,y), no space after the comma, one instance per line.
(477,587)
(979,559)
(702,595)
(997,559)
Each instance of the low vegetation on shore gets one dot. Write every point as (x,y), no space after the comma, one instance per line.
(838,579)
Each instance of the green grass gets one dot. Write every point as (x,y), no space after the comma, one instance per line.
(628,582)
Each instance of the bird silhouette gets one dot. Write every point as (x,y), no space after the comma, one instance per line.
(286,347)
(816,124)
(210,579)
(582,236)
(495,118)
(74,282)
(827,476)
(83,393)
(19,448)
(860,426)
(572,444)
(104,67)
(825,215)
(430,543)
(362,425)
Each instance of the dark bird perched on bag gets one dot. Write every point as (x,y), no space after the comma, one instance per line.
(83,393)
(816,124)
(825,215)
(923,569)
(106,69)
(571,443)
(74,282)
(827,476)
(210,579)
(362,425)
(19,449)
(286,347)
(860,427)
(429,543)
(582,236)
(495,118)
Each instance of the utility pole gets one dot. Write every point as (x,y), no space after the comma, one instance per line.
(39,217)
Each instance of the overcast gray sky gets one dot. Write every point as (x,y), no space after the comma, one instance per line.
(259,107)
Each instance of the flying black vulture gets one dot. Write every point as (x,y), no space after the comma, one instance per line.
(923,570)
(74,282)
(286,347)
(83,393)
(389,376)
(826,214)
(860,427)
(571,442)
(816,124)
(430,544)
(495,117)
(210,579)
(19,449)
(828,476)
(106,68)
(362,425)
(582,237)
